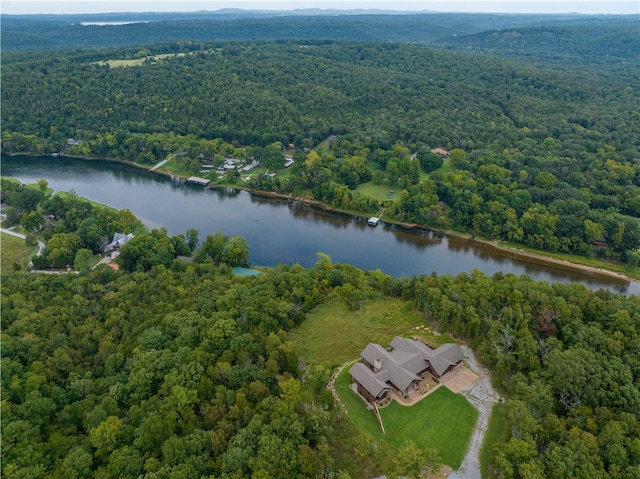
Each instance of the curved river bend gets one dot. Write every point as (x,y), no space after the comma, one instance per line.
(279,232)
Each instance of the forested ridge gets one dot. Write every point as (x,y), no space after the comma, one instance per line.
(174,367)
(540,154)
(187,371)
(47,32)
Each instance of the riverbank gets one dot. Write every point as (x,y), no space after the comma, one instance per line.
(416,228)
(423,234)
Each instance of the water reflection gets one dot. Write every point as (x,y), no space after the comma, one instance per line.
(282,231)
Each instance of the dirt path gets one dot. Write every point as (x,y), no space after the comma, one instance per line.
(163,162)
(482,395)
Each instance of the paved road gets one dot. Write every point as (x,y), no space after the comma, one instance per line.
(41,245)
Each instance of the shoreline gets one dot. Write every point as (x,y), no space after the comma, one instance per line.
(410,227)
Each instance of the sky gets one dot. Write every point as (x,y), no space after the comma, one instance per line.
(525,6)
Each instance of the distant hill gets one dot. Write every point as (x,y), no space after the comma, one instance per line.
(45,32)
(593,40)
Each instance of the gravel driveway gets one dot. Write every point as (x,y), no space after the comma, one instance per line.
(482,395)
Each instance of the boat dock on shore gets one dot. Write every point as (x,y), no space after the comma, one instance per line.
(198,181)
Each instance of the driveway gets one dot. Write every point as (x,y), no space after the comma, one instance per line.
(482,395)
(41,245)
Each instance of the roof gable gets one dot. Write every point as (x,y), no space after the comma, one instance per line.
(401,366)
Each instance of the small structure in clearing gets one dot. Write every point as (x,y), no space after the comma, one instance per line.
(441,152)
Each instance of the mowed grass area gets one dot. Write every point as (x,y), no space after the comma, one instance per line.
(138,61)
(443,420)
(496,432)
(381,193)
(589,261)
(333,334)
(14,250)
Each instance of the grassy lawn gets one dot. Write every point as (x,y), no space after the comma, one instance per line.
(379,321)
(496,432)
(14,250)
(66,194)
(138,61)
(443,420)
(446,166)
(379,192)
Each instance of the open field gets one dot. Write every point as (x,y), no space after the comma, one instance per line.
(333,334)
(443,420)
(14,250)
(138,61)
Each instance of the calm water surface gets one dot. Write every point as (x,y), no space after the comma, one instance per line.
(278,232)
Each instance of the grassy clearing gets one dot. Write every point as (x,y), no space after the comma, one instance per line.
(14,250)
(138,61)
(65,194)
(323,145)
(446,166)
(317,339)
(379,192)
(443,420)
(496,432)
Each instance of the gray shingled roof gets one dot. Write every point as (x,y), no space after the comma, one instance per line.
(401,366)
(363,376)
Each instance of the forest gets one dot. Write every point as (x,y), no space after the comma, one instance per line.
(172,366)
(179,369)
(46,32)
(541,154)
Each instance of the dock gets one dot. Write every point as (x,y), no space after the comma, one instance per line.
(375,220)
(198,181)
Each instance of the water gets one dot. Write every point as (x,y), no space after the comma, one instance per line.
(279,232)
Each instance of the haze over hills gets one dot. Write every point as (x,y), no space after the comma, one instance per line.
(34,32)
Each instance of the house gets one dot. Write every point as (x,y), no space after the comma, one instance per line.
(119,240)
(401,367)
(288,161)
(441,152)
(230,164)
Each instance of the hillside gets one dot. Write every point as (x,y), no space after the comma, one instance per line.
(45,32)
(541,154)
(187,371)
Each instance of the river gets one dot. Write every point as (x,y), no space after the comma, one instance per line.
(279,232)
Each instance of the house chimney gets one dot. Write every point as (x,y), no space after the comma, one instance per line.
(377,364)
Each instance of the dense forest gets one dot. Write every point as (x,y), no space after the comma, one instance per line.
(545,155)
(187,371)
(174,367)
(167,365)
(46,32)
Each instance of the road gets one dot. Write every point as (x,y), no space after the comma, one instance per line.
(482,395)
(41,245)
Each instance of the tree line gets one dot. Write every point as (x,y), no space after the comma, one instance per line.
(187,371)
(543,156)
